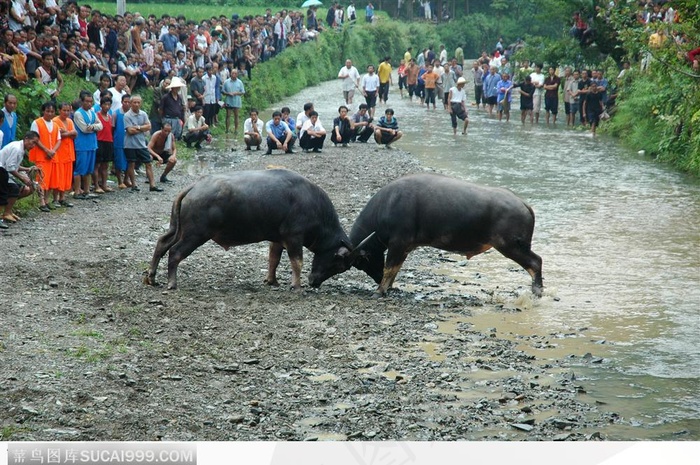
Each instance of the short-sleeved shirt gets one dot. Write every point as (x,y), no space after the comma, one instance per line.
(549,80)
(384,72)
(248,126)
(370,83)
(233,101)
(279,130)
(351,77)
(393,124)
(310,125)
(135,141)
(11,156)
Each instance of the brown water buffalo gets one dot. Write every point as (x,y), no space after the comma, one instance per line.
(445,213)
(244,207)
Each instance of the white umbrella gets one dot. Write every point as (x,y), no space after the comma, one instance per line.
(309,3)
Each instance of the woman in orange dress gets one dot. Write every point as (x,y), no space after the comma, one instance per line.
(65,156)
(43,153)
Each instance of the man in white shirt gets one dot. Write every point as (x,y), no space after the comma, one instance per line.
(312,134)
(252,130)
(538,81)
(351,12)
(457,108)
(303,117)
(10,163)
(370,84)
(351,79)
(211,106)
(118,91)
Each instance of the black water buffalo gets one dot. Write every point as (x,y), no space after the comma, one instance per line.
(445,213)
(244,207)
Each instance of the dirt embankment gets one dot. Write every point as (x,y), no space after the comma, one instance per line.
(89,353)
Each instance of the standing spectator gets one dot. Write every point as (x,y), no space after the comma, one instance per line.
(105,146)
(593,106)
(9,124)
(385,80)
(137,125)
(65,155)
(312,134)
(252,131)
(412,78)
(197,87)
(173,108)
(330,16)
(120,163)
(443,55)
(233,91)
(505,96)
(211,103)
(490,89)
(370,85)
(87,125)
(401,71)
(570,95)
(551,95)
(118,91)
(343,129)
(162,147)
(457,98)
(538,81)
(527,90)
(45,150)
(478,84)
(430,81)
(369,12)
(448,81)
(352,13)
(351,80)
(387,129)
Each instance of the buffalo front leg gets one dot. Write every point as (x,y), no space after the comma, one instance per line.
(273,262)
(394,261)
(531,262)
(295,254)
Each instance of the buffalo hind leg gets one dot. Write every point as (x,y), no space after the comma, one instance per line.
(394,261)
(531,262)
(273,262)
(178,252)
(165,242)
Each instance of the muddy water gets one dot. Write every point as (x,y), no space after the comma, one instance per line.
(620,239)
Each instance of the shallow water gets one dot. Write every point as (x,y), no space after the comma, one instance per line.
(620,238)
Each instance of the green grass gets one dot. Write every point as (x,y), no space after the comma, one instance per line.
(189,10)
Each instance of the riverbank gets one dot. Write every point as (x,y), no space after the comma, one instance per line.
(90,353)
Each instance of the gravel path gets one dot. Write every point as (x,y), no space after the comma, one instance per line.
(89,353)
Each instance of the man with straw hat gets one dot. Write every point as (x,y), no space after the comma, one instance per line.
(458,105)
(172,107)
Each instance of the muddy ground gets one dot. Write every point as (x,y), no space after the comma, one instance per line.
(87,352)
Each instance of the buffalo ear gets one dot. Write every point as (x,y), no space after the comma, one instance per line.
(343,252)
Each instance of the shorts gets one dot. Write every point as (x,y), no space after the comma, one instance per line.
(412,90)
(536,102)
(504,106)
(120,163)
(491,100)
(371,99)
(593,117)
(402,82)
(166,156)
(430,96)
(386,137)
(105,152)
(5,187)
(551,104)
(137,155)
(457,112)
(348,94)
(567,108)
(478,94)
(84,162)
(573,107)
(525,105)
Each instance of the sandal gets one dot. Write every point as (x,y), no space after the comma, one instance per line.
(45,208)
(8,218)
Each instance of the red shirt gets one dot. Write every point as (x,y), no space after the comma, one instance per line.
(106,134)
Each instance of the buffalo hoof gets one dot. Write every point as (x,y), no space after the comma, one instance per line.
(378,295)
(172,286)
(537,291)
(296,288)
(273,283)
(147,280)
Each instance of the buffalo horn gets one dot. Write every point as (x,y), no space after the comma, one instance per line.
(358,249)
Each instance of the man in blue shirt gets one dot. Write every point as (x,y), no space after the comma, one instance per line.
(9,125)
(490,90)
(279,136)
(386,131)
(505,96)
(369,12)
